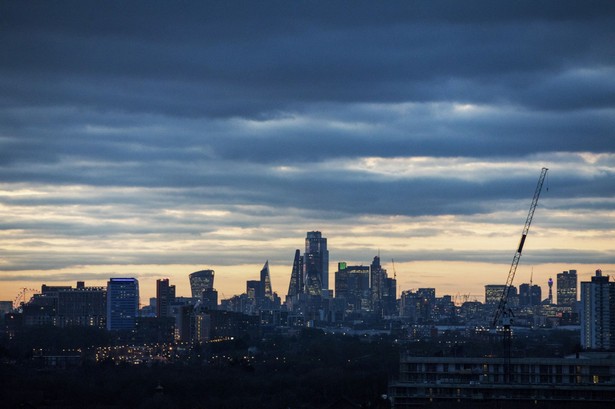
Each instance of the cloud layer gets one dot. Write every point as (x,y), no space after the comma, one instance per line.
(216,134)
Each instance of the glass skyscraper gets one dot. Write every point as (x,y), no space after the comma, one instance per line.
(201,281)
(316,263)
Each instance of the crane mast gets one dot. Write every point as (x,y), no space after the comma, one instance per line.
(502,312)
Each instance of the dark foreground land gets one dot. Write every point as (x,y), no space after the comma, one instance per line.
(311,370)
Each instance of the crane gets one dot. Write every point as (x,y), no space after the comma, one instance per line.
(503,313)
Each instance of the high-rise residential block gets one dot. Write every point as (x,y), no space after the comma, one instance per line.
(122,303)
(598,313)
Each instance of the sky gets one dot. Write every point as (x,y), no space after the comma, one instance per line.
(155,139)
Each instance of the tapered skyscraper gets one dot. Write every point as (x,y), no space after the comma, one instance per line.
(266,282)
(316,263)
(296,277)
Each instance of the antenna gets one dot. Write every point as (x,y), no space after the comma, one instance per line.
(394,271)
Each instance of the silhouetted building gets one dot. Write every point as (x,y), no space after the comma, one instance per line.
(254,290)
(493,293)
(316,263)
(201,281)
(228,325)
(389,297)
(352,284)
(82,306)
(484,382)
(296,285)
(598,313)
(210,299)
(122,303)
(165,296)
(65,306)
(529,295)
(266,282)
(567,289)
(419,306)
(377,278)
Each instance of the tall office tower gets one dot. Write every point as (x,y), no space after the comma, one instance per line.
(266,282)
(165,296)
(378,277)
(389,297)
(316,263)
(254,290)
(598,313)
(201,281)
(529,295)
(122,303)
(352,284)
(567,289)
(341,280)
(296,277)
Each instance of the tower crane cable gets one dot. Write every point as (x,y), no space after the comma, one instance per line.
(502,313)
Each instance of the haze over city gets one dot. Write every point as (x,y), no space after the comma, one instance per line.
(152,140)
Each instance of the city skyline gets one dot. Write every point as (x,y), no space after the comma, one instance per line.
(189,291)
(156,144)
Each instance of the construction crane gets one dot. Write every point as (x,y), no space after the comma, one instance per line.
(503,315)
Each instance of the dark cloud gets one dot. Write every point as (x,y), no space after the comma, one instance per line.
(268,115)
(260,59)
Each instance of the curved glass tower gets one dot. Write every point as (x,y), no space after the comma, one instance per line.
(201,281)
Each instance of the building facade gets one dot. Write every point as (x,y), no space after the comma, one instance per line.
(122,304)
(316,264)
(201,281)
(165,296)
(598,313)
(567,289)
(485,382)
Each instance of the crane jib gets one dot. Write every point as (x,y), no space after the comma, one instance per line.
(521,243)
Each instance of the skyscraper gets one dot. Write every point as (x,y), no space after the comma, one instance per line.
(122,303)
(295,286)
(201,281)
(567,289)
(316,263)
(165,296)
(266,282)
(598,313)
(378,283)
(352,284)
(529,295)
